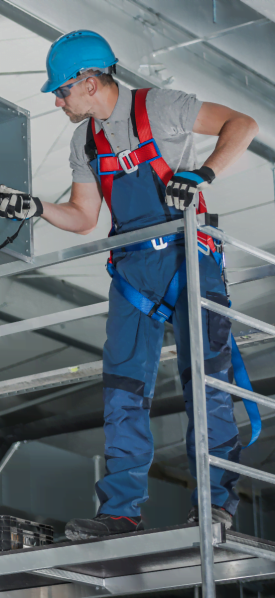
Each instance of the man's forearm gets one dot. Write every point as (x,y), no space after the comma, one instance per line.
(67,217)
(234,138)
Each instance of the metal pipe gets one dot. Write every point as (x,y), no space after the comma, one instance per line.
(242,469)
(219,234)
(246,549)
(255,512)
(68,315)
(9,455)
(79,251)
(122,240)
(214,7)
(199,40)
(96,460)
(240,392)
(199,403)
(261,515)
(137,236)
(250,274)
(236,315)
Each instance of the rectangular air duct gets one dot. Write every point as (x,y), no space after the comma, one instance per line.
(265,7)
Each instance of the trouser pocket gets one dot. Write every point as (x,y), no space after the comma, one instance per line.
(218,326)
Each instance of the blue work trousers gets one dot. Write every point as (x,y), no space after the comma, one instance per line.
(130,364)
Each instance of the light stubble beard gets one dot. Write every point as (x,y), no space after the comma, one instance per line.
(76,118)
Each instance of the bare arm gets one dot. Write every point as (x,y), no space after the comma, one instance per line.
(234,129)
(80,213)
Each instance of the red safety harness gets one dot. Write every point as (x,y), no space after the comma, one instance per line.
(109,164)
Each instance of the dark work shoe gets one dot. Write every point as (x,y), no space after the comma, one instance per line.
(219,515)
(102,525)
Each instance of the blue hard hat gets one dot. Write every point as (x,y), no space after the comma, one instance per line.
(73,52)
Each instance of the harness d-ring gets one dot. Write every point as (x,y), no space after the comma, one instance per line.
(158,243)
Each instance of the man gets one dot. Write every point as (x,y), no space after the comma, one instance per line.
(129,151)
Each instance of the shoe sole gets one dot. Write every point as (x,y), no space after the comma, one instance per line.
(74,535)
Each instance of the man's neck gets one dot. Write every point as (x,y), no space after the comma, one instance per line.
(106,101)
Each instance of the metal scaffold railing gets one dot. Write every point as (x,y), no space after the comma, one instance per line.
(199,402)
(199,380)
(210,535)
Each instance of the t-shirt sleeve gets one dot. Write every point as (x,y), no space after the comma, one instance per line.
(79,162)
(176,110)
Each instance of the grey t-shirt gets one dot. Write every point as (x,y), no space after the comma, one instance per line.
(172,115)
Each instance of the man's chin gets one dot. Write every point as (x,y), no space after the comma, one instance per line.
(76,118)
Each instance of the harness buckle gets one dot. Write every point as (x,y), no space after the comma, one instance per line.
(158,244)
(123,164)
(219,246)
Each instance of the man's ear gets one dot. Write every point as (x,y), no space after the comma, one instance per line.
(91,84)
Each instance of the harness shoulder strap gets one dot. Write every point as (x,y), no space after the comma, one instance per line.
(103,147)
(145,134)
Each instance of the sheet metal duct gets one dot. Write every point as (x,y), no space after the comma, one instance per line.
(265,7)
(15,172)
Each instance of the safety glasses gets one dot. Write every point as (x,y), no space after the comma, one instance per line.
(64,92)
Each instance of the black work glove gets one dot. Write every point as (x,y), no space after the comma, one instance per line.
(182,186)
(18,205)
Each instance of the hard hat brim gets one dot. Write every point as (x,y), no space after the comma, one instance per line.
(49,86)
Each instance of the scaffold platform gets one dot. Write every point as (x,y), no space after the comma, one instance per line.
(135,563)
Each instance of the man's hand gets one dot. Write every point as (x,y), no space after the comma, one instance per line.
(182,186)
(18,205)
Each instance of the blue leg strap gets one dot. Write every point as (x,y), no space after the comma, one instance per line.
(159,312)
(242,380)
(162,311)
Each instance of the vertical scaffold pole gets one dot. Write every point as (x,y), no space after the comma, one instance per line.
(199,402)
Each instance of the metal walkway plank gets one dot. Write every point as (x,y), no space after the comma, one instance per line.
(147,561)
(62,574)
(107,549)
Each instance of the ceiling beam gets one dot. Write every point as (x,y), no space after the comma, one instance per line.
(56,336)
(61,289)
(262,150)
(22,17)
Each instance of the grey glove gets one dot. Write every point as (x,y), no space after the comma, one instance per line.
(18,205)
